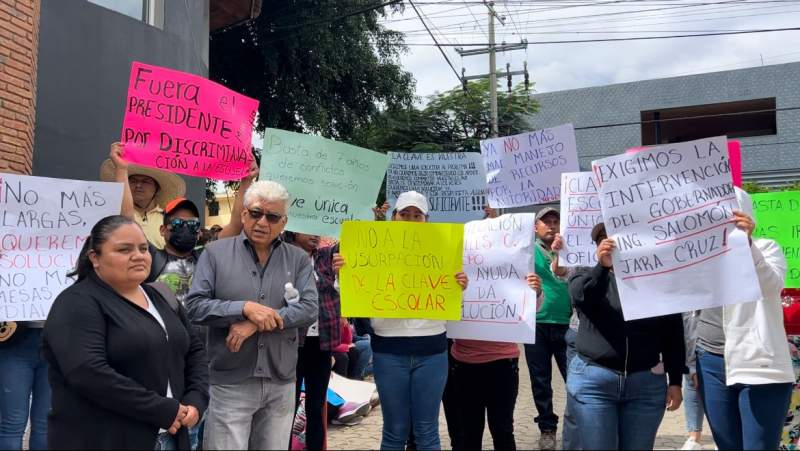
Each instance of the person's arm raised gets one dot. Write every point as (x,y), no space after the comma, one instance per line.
(234,226)
(121,176)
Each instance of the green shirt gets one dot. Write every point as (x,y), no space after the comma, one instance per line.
(556,307)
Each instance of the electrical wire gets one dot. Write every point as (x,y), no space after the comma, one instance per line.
(434,40)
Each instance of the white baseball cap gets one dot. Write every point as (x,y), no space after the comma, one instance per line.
(412,199)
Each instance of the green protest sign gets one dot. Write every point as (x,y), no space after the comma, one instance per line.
(329,182)
(778,218)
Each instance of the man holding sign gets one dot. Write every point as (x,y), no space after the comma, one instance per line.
(410,355)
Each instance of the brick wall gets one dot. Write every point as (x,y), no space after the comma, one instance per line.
(19,39)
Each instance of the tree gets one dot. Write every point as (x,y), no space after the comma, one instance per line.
(453,121)
(319,66)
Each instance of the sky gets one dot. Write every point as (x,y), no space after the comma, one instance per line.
(555,67)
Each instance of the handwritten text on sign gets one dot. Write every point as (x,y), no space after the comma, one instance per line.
(580,211)
(329,182)
(670,211)
(526,169)
(498,305)
(778,218)
(187,124)
(453,182)
(401,270)
(43,225)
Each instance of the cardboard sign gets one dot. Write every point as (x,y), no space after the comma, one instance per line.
(43,225)
(526,169)
(778,218)
(670,210)
(187,124)
(329,182)
(734,156)
(498,305)
(453,182)
(401,270)
(580,211)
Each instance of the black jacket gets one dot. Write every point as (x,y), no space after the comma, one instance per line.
(109,365)
(606,339)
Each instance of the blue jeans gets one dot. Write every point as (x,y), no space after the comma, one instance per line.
(363,366)
(692,406)
(741,416)
(550,344)
(410,388)
(569,434)
(614,411)
(24,391)
(166,442)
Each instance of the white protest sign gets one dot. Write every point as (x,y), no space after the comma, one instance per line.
(526,169)
(43,225)
(453,182)
(498,305)
(580,211)
(670,211)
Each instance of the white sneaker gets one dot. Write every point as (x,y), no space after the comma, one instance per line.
(691,444)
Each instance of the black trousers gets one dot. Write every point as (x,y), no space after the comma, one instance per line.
(487,391)
(550,345)
(313,366)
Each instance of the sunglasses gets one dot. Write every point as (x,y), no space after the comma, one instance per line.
(272,218)
(177,223)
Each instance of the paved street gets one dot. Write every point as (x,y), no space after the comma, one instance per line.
(367,435)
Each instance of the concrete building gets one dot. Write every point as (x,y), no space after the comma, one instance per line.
(760,106)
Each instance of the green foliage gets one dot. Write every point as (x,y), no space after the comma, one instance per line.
(754,187)
(453,121)
(313,70)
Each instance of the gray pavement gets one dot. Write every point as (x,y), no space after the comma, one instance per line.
(367,435)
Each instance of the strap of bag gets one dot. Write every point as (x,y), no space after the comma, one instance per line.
(166,292)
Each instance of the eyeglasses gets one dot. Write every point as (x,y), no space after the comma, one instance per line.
(272,218)
(177,223)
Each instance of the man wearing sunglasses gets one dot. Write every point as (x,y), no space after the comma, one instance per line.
(239,291)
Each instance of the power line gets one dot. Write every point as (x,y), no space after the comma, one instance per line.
(637,38)
(434,40)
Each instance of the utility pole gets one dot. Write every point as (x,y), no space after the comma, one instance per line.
(492,50)
(492,72)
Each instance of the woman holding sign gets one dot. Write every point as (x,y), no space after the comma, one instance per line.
(743,362)
(409,359)
(125,370)
(625,372)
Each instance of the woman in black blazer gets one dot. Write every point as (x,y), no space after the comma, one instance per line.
(125,370)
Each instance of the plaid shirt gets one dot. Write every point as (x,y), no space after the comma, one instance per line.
(330,334)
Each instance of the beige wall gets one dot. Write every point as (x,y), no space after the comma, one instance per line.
(225,205)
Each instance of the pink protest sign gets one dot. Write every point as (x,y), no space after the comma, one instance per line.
(187,124)
(734,156)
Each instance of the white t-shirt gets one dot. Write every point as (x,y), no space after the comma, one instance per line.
(151,309)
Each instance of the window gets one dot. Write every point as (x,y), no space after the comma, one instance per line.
(739,119)
(148,11)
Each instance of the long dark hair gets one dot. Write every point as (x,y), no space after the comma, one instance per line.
(99,235)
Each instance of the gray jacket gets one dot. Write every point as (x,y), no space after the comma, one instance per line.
(227,275)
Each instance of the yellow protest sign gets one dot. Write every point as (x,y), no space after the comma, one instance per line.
(401,270)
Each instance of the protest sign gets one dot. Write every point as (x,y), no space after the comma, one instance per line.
(43,225)
(734,156)
(329,182)
(453,182)
(498,305)
(778,218)
(580,211)
(401,270)
(670,210)
(526,169)
(187,124)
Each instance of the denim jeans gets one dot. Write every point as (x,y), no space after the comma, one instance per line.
(253,414)
(741,416)
(487,392)
(24,391)
(410,388)
(363,365)
(549,344)
(614,411)
(166,442)
(692,406)
(569,433)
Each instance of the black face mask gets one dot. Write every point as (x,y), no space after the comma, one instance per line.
(183,239)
